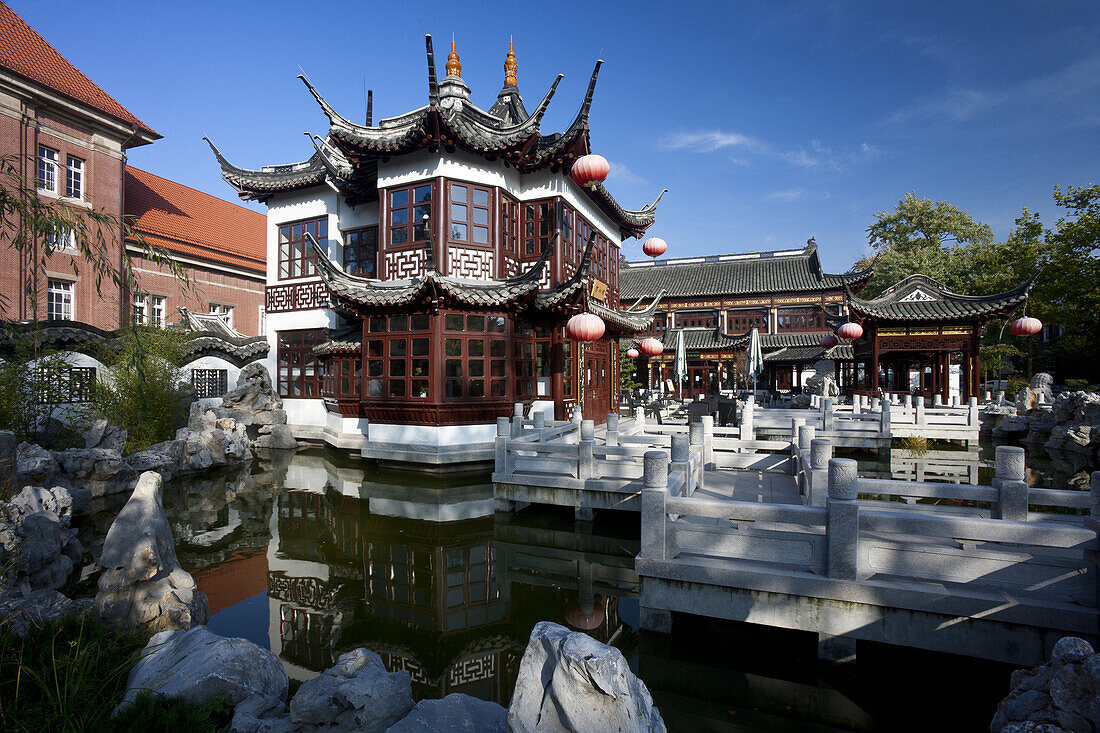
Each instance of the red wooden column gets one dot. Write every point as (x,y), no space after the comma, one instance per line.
(874,363)
(945,376)
(975,362)
(557,374)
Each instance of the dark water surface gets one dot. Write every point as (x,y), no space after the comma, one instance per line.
(316,553)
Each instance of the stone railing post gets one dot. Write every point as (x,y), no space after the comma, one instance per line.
(681,459)
(821,451)
(857,404)
(801,450)
(1000,397)
(747,431)
(875,401)
(517,420)
(654,542)
(539,420)
(612,429)
(886,420)
(987,396)
(695,439)
(578,415)
(907,404)
(937,400)
(639,417)
(920,420)
(973,417)
(1011,485)
(708,443)
(828,417)
(842,528)
(500,463)
(586,462)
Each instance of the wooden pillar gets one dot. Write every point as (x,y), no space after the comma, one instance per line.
(557,374)
(874,363)
(945,376)
(975,362)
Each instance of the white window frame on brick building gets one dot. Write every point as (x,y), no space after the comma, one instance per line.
(60,300)
(61,239)
(149,310)
(225,312)
(74,178)
(47,169)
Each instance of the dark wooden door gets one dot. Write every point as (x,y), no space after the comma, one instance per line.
(597,381)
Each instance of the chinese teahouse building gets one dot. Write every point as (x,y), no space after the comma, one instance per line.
(714,301)
(916,328)
(452,246)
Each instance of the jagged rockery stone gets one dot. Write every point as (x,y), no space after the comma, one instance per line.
(570,681)
(357,693)
(1061,695)
(142,585)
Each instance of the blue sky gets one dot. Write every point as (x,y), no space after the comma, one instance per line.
(768,121)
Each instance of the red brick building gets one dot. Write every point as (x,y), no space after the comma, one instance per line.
(222,246)
(69,139)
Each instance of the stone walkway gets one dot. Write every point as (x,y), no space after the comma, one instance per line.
(742,485)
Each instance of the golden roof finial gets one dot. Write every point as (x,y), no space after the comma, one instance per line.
(510,66)
(454,68)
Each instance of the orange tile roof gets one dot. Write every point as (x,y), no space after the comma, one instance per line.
(28,54)
(194,223)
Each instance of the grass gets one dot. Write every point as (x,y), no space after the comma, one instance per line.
(69,676)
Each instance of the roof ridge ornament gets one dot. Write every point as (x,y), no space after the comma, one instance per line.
(454,66)
(433,83)
(510,66)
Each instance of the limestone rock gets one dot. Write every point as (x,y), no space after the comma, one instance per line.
(34,465)
(357,693)
(143,585)
(261,713)
(37,547)
(254,391)
(570,681)
(101,434)
(198,665)
(276,437)
(1061,695)
(22,612)
(456,713)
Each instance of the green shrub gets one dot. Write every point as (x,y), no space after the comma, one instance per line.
(1077,384)
(916,445)
(1014,387)
(144,391)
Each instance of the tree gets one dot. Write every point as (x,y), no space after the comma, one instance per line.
(921,235)
(627,366)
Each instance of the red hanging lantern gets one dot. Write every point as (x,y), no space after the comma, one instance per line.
(1026,326)
(590,170)
(651,347)
(654,247)
(584,327)
(632,353)
(828,341)
(850,331)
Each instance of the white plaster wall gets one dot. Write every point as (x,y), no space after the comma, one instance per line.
(437,435)
(339,424)
(305,411)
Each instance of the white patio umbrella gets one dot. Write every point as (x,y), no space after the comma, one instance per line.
(754,363)
(680,364)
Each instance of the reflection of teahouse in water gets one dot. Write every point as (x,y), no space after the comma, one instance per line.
(421,594)
(588,572)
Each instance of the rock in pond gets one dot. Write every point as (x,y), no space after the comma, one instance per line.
(569,681)
(1061,695)
(142,585)
(22,612)
(198,665)
(357,693)
(38,550)
(456,713)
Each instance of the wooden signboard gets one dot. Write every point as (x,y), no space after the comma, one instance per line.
(599,290)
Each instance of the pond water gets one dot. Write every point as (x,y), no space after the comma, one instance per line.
(316,553)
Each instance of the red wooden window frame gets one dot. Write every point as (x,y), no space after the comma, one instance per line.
(475,356)
(296,258)
(509,225)
(409,224)
(398,357)
(361,251)
(538,227)
(741,321)
(463,210)
(294,358)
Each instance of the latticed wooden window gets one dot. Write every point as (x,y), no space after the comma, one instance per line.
(65,384)
(399,357)
(538,220)
(407,208)
(469,213)
(209,382)
(509,225)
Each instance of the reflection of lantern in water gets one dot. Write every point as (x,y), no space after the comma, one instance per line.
(576,616)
